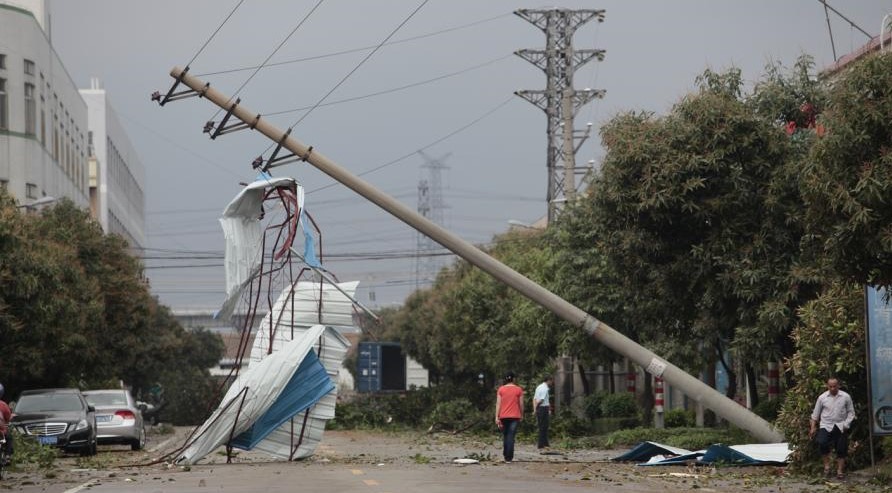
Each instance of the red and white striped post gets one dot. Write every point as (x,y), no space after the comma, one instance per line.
(773,380)
(630,379)
(658,402)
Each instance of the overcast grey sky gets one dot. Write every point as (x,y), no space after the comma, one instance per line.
(496,166)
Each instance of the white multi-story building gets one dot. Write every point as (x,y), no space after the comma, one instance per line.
(43,119)
(57,141)
(116,173)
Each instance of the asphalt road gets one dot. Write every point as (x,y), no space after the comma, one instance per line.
(382,462)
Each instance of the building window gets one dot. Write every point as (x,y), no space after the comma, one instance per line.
(29,67)
(30,190)
(42,122)
(30,110)
(2,61)
(4,121)
(4,184)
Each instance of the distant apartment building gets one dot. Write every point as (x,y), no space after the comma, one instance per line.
(57,141)
(117,198)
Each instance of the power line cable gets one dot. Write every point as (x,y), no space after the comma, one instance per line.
(429,145)
(843,17)
(215,32)
(364,48)
(360,64)
(395,89)
(282,43)
(830,30)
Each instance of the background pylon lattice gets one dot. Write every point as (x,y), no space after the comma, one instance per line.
(560,100)
(431,206)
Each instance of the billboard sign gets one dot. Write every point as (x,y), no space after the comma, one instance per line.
(879,347)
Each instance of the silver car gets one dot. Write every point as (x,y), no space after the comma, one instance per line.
(118,420)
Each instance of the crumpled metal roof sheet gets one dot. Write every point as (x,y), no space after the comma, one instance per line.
(251,395)
(278,328)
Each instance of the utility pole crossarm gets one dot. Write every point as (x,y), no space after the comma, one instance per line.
(539,58)
(655,365)
(581,57)
(538,98)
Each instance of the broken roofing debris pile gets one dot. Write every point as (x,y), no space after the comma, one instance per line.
(280,404)
(657,454)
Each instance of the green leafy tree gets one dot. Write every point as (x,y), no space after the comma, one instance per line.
(694,212)
(75,311)
(468,323)
(847,179)
(48,304)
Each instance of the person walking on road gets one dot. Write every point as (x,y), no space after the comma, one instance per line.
(831,420)
(509,413)
(543,408)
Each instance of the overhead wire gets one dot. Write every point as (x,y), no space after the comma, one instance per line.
(364,48)
(830,30)
(843,17)
(282,43)
(429,145)
(395,89)
(360,64)
(215,32)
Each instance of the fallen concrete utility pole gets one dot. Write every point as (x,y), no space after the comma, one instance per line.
(692,387)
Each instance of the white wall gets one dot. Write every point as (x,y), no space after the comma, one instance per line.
(24,158)
(121,179)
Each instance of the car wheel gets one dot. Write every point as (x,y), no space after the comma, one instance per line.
(140,442)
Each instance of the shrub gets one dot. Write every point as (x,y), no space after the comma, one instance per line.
(455,415)
(361,412)
(679,418)
(769,409)
(591,405)
(829,342)
(618,405)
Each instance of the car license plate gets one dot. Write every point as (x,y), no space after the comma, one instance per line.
(104,418)
(48,440)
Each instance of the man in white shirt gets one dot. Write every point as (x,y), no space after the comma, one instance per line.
(831,420)
(543,409)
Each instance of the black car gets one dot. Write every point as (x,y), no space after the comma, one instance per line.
(57,417)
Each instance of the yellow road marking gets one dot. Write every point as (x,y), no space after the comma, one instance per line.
(357,472)
(370,482)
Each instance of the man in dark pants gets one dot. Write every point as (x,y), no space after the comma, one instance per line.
(831,420)
(543,409)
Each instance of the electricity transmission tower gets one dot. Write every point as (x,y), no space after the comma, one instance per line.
(430,206)
(560,100)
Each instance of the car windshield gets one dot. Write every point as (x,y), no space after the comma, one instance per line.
(48,402)
(107,399)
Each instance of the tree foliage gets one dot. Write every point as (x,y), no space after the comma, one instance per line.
(848,176)
(468,323)
(695,209)
(75,310)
